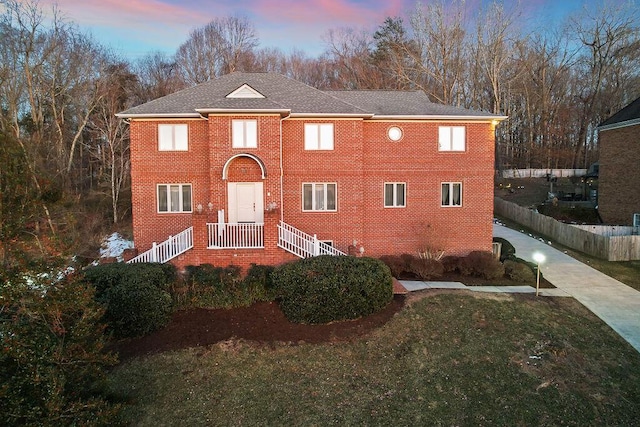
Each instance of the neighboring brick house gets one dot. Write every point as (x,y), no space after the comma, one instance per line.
(239,167)
(619,174)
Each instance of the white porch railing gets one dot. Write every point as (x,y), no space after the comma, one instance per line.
(302,244)
(170,248)
(235,236)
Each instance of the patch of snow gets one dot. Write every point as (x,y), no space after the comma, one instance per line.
(114,245)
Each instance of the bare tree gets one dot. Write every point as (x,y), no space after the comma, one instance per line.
(610,37)
(110,143)
(216,49)
(348,54)
(440,36)
(158,75)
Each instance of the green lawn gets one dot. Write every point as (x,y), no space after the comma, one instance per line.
(445,359)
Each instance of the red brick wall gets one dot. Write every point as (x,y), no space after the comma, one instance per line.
(415,160)
(150,167)
(619,175)
(362,160)
(342,165)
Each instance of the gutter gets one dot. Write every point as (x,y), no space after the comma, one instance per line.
(159,116)
(441,118)
(619,125)
(282,112)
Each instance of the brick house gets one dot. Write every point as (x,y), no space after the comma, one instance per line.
(619,174)
(260,168)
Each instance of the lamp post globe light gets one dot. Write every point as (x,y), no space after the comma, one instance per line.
(539,258)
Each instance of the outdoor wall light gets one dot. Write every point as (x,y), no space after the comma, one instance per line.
(199,208)
(539,258)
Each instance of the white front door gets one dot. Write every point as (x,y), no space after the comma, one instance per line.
(246,202)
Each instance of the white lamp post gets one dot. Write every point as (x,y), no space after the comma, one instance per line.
(539,258)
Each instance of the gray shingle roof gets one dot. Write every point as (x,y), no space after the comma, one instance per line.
(630,113)
(402,103)
(291,96)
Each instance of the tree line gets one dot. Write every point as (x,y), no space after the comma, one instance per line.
(65,156)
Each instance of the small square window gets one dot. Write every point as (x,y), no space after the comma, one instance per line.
(244,133)
(394,194)
(318,136)
(451,138)
(173,137)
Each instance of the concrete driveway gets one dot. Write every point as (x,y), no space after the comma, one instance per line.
(617,304)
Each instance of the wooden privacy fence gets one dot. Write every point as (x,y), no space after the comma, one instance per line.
(611,248)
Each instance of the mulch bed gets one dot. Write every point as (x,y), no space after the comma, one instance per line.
(262,322)
(265,323)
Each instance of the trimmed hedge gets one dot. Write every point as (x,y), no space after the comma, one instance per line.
(328,288)
(224,287)
(135,296)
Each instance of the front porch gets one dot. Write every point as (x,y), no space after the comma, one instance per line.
(198,243)
(235,236)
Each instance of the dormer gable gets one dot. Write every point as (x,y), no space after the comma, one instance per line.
(245,91)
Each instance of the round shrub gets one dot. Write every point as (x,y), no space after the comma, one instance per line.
(327,288)
(136,309)
(481,264)
(106,276)
(507,251)
(519,272)
(135,296)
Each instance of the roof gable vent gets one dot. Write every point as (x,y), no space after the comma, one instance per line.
(245,91)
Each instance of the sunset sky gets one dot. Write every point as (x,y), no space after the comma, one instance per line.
(134,28)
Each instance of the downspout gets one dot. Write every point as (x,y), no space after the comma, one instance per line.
(282,171)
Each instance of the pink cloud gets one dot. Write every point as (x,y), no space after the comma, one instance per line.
(125,13)
(328,13)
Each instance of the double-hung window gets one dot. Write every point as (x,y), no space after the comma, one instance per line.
(318,136)
(174,197)
(319,196)
(451,138)
(394,194)
(244,133)
(173,137)
(451,194)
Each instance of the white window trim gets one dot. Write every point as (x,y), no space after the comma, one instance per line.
(180,198)
(451,133)
(313,196)
(245,143)
(316,143)
(451,205)
(395,194)
(173,127)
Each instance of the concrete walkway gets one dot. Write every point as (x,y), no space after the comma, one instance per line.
(617,304)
